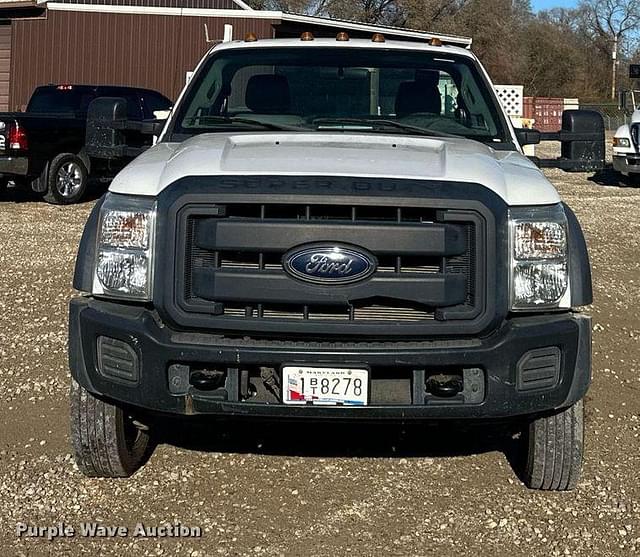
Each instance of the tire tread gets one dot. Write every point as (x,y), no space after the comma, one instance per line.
(98,437)
(50,195)
(554,448)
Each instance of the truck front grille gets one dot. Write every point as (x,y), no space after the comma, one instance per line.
(226,237)
(255,255)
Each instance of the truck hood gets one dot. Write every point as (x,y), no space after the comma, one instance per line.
(507,173)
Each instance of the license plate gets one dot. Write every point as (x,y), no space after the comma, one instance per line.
(325,386)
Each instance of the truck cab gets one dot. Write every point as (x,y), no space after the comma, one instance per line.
(332,230)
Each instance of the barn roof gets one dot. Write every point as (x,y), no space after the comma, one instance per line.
(286,23)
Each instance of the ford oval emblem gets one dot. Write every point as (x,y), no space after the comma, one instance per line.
(329,264)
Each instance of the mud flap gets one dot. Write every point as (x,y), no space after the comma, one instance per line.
(39,184)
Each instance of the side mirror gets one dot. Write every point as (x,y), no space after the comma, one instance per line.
(582,140)
(105,138)
(152,127)
(527,136)
(111,135)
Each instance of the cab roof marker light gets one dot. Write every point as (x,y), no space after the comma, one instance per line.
(342,36)
(378,38)
(250,38)
(435,41)
(307,36)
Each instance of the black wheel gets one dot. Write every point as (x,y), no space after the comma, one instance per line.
(106,441)
(554,450)
(67,179)
(630,180)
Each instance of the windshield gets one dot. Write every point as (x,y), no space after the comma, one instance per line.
(345,89)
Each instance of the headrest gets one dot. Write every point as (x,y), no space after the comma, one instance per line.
(421,95)
(268,94)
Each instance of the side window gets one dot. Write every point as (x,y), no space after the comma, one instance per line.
(479,115)
(154,101)
(134,108)
(449,93)
(207,98)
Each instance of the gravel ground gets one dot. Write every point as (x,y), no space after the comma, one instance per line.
(359,490)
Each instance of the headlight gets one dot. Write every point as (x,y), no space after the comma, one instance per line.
(124,254)
(621,142)
(538,254)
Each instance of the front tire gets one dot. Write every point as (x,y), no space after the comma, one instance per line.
(67,179)
(554,448)
(106,441)
(632,180)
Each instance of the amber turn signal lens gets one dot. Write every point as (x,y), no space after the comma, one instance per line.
(342,36)
(435,42)
(378,38)
(250,38)
(306,36)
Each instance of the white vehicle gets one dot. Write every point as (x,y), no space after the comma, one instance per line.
(626,147)
(333,229)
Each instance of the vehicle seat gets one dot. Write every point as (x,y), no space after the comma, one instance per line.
(419,96)
(268,94)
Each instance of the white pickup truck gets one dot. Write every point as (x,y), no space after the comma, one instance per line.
(333,229)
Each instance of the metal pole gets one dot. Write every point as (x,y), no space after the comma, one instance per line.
(614,61)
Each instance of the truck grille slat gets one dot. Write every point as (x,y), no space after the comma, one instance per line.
(298,313)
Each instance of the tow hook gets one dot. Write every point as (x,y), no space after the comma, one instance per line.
(208,380)
(444,385)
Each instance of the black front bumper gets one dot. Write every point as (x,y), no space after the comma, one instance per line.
(499,359)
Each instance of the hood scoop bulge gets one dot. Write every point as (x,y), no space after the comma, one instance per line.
(335,154)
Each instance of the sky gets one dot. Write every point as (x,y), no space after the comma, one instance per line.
(547,4)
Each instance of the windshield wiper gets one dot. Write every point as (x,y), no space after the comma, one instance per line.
(238,120)
(373,123)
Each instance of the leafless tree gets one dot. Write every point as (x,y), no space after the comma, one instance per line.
(613,20)
(559,52)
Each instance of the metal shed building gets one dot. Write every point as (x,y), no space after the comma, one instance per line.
(144,43)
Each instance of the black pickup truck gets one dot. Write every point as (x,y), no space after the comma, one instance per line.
(43,148)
